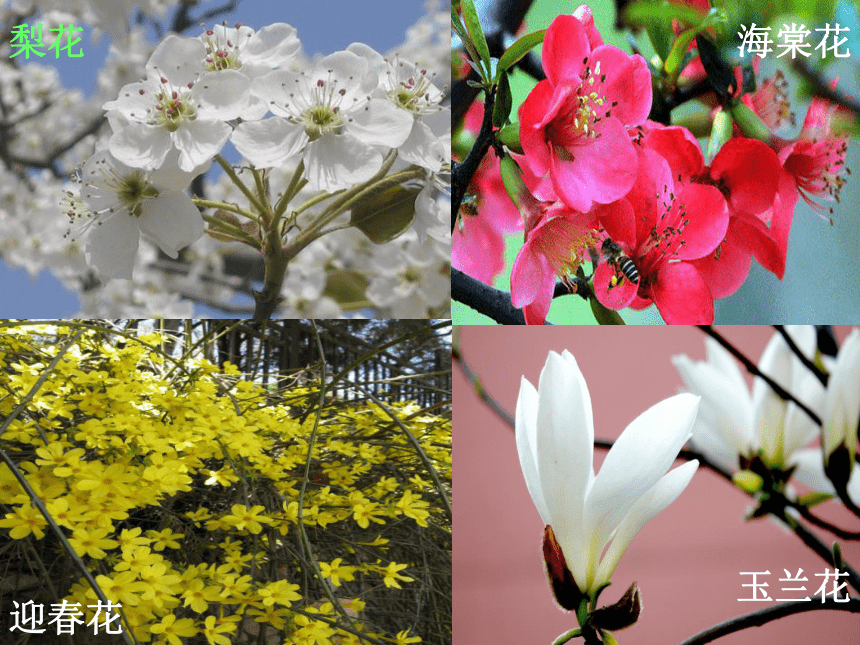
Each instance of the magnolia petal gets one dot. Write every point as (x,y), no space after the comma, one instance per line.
(842,400)
(526,431)
(565,445)
(658,497)
(637,460)
(725,406)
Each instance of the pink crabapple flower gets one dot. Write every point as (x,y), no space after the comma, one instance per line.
(554,234)
(815,160)
(663,231)
(573,123)
(478,243)
(745,171)
(165,112)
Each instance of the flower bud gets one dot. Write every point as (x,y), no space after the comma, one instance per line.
(748,481)
(622,614)
(837,467)
(750,123)
(721,131)
(564,587)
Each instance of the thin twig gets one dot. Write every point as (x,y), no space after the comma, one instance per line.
(755,371)
(462,173)
(764,616)
(808,364)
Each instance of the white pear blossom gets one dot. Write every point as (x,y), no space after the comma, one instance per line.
(733,423)
(410,88)
(555,441)
(327,116)
(126,202)
(165,112)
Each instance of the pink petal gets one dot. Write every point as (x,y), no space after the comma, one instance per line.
(532,131)
(681,295)
(750,170)
(706,220)
(531,274)
(725,274)
(601,171)
(628,82)
(564,46)
(679,147)
(617,297)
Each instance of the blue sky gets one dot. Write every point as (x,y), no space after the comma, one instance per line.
(323,26)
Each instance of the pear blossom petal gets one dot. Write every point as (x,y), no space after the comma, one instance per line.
(112,246)
(172,221)
(382,124)
(270,142)
(199,141)
(335,162)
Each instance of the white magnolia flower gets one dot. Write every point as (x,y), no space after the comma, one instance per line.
(733,423)
(841,411)
(555,439)
(327,116)
(127,202)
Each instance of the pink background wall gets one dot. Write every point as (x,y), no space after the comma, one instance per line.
(687,561)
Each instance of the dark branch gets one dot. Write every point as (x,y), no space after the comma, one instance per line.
(755,371)
(820,87)
(462,173)
(808,364)
(764,616)
(485,299)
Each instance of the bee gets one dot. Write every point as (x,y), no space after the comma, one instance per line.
(469,208)
(615,256)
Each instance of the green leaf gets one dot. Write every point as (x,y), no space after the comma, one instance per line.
(504,101)
(813,499)
(345,286)
(519,49)
(603,315)
(608,639)
(385,215)
(656,16)
(470,15)
(512,178)
(509,136)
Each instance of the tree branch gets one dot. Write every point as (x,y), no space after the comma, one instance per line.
(808,364)
(485,299)
(753,369)
(462,173)
(764,616)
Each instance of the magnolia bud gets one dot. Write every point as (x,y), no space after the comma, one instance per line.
(564,587)
(748,481)
(622,614)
